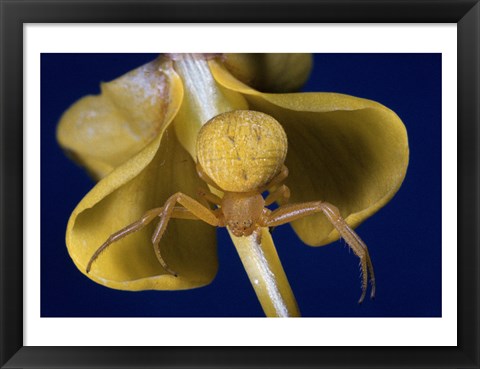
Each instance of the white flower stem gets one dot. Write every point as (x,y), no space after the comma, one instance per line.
(266,274)
(204,99)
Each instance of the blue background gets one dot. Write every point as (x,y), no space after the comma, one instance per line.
(404,238)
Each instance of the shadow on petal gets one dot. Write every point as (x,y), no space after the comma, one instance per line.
(188,247)
(271,72)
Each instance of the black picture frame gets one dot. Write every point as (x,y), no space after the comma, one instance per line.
(14,14)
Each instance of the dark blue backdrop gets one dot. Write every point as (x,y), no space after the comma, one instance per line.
(404,238)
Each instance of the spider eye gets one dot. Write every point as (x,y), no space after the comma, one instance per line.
(247,224)
(233,224)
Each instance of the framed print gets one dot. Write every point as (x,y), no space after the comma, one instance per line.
(417,73)
(363,116)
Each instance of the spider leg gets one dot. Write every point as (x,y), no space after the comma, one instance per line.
(178,212)
(355,243)
(210,197)
(291,212)
(191,206)
(281,193)
(136,226)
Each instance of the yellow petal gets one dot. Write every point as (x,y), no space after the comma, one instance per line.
(145,181)
(188,247)
(349,151)
(103,131)
(273,72)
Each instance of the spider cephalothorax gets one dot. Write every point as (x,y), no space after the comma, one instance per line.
(241,154)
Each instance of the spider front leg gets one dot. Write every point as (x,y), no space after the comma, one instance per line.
(192,206)
(291,212)
(146,219)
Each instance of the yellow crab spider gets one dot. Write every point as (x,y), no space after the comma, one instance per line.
(241,153)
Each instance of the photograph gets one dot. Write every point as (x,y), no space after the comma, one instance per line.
(241,185)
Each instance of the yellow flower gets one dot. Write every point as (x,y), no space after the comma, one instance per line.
(138,139)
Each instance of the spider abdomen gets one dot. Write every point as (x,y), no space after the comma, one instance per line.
(241,150)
